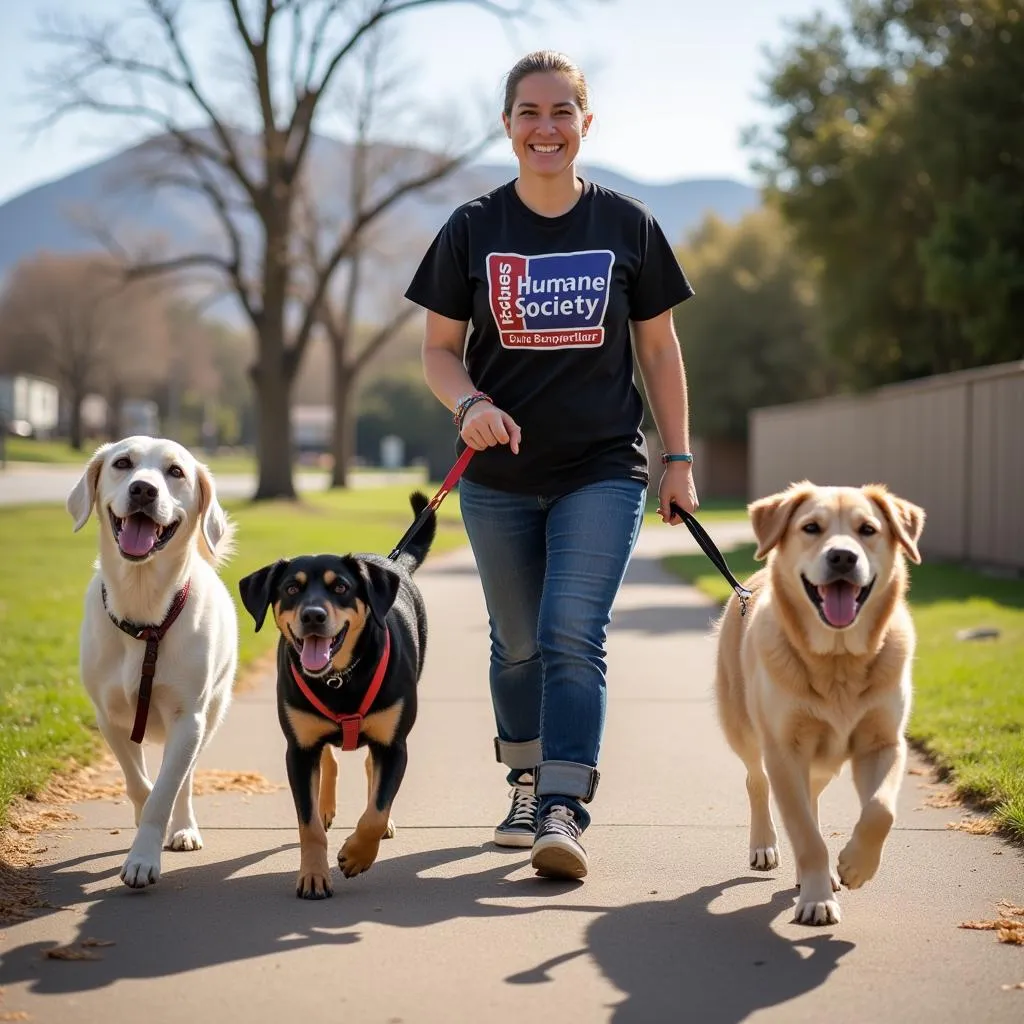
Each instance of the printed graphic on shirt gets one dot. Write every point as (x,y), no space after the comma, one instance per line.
(553,301)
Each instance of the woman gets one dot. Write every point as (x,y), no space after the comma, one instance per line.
(551,270)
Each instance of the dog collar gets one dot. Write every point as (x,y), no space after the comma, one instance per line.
(351,725)
(152,635)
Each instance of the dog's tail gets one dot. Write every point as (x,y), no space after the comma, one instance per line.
(419,543)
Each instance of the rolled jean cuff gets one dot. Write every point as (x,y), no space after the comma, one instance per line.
(566,778)
(517,756)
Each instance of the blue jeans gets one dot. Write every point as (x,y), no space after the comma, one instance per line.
(550,569)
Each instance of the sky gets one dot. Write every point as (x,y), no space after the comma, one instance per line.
(673,83)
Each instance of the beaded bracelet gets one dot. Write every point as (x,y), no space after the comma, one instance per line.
(667,457)
(466,403)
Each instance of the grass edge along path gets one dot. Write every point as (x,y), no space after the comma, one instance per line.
(968,711)
(47,722)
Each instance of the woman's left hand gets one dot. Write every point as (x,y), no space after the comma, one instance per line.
(677,486)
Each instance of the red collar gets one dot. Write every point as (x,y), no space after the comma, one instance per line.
(152,635)
(351,725)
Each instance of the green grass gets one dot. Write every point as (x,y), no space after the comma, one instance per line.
(46,720)
(968,713)
(710,511)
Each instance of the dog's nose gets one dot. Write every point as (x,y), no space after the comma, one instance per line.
(842,559)
(312,616)
(142,492)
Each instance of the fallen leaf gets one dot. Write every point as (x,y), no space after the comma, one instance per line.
(1006,907)
(973,826)
(1010,988)
(70,953)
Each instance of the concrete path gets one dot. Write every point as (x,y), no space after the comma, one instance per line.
(671,925)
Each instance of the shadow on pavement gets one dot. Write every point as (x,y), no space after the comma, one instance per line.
(208,915)
(679,960)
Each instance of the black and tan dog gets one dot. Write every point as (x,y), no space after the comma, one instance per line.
(353,635)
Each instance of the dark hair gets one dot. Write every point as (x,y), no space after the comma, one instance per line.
(545,61)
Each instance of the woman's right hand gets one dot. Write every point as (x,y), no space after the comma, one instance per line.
(486,425)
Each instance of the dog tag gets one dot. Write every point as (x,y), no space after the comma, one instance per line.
(334,682)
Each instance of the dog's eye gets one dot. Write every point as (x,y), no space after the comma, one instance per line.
(340,587)
(867,530)
(292,589)
(177,472)
(122,463)
(811,528)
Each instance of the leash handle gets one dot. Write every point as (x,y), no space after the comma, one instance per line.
(708,546)
(449,482)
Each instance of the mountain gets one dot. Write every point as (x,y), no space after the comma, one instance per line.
(57,216)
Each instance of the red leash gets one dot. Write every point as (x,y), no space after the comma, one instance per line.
(449,482)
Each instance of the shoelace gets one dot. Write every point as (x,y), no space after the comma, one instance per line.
(562,820)
(524,807)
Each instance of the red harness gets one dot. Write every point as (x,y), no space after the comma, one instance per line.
(351,725)
(152,635)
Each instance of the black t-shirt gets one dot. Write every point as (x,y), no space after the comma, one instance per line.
(550,300)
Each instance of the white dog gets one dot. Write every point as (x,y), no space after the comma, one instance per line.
(162,535)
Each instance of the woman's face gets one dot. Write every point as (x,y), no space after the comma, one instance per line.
(547,124)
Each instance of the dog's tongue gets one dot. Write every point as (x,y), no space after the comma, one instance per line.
(138,535)
(316,652)
(839,602)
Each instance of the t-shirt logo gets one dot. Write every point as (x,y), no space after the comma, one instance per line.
(553,301)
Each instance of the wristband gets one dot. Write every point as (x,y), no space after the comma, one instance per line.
(667,457)
(464,407)
(463,404)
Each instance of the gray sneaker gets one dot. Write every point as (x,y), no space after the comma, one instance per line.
(557,851)
(520,824)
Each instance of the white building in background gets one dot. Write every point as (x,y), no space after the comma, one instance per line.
(29,406)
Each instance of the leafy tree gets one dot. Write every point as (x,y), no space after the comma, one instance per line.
(750,336)
(899,161)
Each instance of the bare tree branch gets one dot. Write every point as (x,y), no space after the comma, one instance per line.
(383,335)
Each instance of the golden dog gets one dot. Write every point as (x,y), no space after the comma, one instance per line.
(818,672)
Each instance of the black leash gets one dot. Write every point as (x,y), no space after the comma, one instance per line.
(707,545)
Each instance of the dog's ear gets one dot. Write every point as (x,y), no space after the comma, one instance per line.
(83,494)
(214,525)
(770,516)
(905,519)
(258,588)
(381,588)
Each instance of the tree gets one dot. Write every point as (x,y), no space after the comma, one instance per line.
(73,319)
(899,162)
(751,335)
(295,53)
(376,267)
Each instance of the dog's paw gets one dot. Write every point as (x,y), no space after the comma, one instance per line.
(142,865)
(314,883)
(138,872)
(858,863)
(186,839)
(816,912)
(358,854)
(389,832)
(764,858)
(327,817)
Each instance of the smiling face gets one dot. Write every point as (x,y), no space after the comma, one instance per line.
(837,548)
(546,123)
(320,611)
